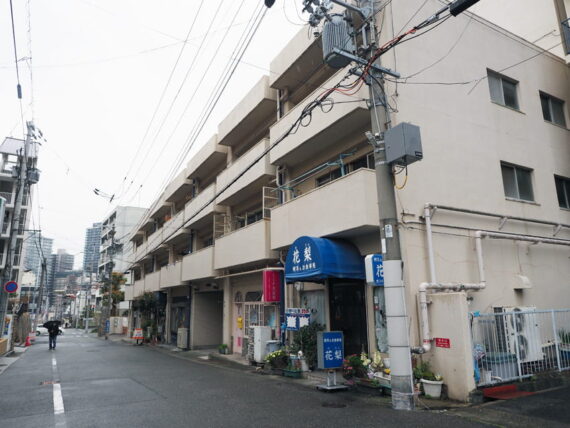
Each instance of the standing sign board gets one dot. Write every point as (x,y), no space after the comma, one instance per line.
(374,267)
(330,356)
(330,349)
(295,318)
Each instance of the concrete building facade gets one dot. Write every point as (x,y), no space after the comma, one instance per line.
(91,248)
(493,112)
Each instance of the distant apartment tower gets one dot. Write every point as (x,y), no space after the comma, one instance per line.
(10,150)
(124,219)
(59,262)
(91,248)
(36,247)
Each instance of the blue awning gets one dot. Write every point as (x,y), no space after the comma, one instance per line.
(316,259)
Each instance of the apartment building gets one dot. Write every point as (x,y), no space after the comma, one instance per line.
(493,188)
(10,150)
(91,248)
(121,220)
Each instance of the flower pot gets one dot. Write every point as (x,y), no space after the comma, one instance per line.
(432,388)
(296,374)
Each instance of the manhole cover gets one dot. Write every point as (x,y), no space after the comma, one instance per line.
(333,405)
(49,382)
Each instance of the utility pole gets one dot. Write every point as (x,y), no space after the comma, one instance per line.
(15,225)
(38,308)
(395,292)
(112,265)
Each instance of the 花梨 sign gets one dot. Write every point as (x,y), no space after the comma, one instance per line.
(295,318)
(330,349)
(374,268)
(303,258)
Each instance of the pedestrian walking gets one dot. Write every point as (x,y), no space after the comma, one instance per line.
(53,330)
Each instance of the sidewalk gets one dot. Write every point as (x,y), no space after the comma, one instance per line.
(11,357)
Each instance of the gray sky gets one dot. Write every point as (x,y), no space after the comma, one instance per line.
(99,69)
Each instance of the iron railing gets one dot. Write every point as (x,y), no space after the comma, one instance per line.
(516,343)
(566,34)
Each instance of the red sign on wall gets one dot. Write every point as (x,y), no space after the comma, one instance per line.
(271,285)
(441,342)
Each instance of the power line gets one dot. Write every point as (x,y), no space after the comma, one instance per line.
(19,86)
(164,89)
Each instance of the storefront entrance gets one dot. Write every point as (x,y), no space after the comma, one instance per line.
(348,313)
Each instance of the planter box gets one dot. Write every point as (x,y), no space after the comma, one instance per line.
(296,374)
(432,388)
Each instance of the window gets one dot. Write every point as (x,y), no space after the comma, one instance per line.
(563,191)
(517,182)
(328,177)
(503,90)
(552,109)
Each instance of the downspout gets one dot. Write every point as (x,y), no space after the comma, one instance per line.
(434,285)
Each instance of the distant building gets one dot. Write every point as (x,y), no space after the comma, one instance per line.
(61,262)
(91,248)
(36,246)
(123,219)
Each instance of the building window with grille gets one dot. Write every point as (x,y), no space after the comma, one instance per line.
(517,182)
(503,90)
(552,109)
(563,191)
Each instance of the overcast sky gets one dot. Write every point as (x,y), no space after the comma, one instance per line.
(99,69)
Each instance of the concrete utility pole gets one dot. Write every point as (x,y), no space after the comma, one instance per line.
(112,265)
(38,308)
(394,289)
(15,225)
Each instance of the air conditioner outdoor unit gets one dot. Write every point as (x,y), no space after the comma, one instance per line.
(261,335)
(521,333)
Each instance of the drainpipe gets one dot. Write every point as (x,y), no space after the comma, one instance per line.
(439,286)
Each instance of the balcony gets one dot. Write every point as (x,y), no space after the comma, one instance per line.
(171,275)
(346,206)
(155,240)
(253,114)
(299,66)
(198,265)
(252,181)
(192,215)
(152,281)
(141,251)
(138,288)
(177,188)
(244,246)
(210,159)
(325,130)
(173,227)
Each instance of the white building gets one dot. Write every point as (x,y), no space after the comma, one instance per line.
(484,206)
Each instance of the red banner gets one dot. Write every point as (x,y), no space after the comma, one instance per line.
(271,285)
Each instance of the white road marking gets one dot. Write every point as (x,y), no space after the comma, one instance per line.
(58,408)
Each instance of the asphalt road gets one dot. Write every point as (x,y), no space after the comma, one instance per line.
(89,382)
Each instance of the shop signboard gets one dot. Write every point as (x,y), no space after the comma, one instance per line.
(330,349)
(271,285)
(295,318)
(374,268)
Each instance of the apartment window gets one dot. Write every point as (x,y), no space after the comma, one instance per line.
(517,182)
(563,191)
(503,90)
(552,109)
(328,177)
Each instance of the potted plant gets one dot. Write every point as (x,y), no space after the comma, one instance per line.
(277,361)
(353,367)
(223,349)
(292,371)
(431,382)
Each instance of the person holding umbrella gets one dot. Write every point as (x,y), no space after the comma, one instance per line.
(53,330)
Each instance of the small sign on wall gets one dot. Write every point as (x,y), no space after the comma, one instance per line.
(442,342)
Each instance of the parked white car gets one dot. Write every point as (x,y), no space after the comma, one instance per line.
(41,331)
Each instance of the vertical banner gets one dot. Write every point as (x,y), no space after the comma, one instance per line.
(271,286)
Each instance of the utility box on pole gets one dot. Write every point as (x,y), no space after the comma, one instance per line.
(403,144)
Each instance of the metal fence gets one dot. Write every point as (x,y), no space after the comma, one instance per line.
(516,343)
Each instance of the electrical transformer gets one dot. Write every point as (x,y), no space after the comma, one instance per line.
(337,33)
(403,144)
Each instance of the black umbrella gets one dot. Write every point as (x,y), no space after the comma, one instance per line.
(52,324)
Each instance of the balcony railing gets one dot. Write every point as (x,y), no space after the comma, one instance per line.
(8,196)
(566,35)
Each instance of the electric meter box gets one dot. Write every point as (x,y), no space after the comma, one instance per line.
(403,144)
